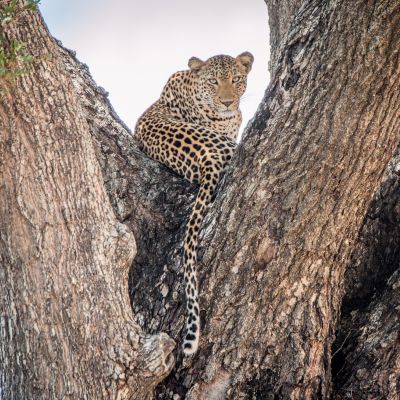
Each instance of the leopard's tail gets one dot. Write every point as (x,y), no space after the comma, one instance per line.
(203,199)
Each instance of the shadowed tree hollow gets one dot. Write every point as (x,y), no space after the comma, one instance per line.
(305,218)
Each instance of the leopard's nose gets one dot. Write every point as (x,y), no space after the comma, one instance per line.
(227,103)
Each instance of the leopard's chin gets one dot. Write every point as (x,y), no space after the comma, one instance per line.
(228,113)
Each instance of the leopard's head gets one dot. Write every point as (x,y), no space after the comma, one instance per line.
(221,80)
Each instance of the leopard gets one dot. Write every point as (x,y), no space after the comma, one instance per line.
(193,130)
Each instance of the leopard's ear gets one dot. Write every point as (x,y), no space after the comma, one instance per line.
(195,64)
(246,59)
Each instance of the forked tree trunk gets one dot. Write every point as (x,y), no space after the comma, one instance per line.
(274,247)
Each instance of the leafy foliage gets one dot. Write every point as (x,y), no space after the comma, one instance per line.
(14,58)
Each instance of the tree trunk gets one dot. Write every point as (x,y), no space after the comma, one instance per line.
(367,282)
(66,326)
(275,244)
(297,194)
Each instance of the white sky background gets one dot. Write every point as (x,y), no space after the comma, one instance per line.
(133,46)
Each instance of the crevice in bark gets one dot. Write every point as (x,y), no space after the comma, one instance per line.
(261,386)
(370,366)
(374,260)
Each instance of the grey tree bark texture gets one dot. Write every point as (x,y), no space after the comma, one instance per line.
(363,367)
(66,329)
(275,246)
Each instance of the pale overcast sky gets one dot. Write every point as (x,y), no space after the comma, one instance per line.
(132,46)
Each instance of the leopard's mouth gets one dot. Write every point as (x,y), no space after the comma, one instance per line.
(228,111)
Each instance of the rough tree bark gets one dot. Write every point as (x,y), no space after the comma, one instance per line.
(66,328)
(299,190)
(276,242)
(280,14)
(363,368)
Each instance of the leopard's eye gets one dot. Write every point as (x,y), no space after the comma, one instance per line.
(236,79)
(213,81)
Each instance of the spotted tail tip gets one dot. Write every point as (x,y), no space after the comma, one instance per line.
(191,343)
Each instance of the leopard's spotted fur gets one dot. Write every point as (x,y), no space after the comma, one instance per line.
(192,129)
